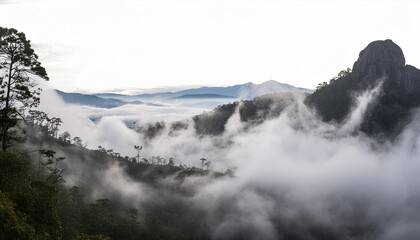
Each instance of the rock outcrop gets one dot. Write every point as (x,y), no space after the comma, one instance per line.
(379,61)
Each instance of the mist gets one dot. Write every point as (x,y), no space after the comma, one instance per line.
(295,176)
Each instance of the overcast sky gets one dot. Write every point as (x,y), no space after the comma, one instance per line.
(103,45)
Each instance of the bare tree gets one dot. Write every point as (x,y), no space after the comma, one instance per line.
(138,148)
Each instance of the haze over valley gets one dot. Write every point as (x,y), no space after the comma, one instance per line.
(108,157)
(292,156)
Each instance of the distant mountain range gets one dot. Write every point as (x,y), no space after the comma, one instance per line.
(94,101)
(186,96)
(242,91)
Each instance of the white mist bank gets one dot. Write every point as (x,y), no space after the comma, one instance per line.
(110,130)
(289,169)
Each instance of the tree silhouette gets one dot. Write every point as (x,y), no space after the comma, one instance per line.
(65,137)
(207,164)
(202,162)
(138,148)
(19,69)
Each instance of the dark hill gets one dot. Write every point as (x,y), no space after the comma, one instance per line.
(89,100)
(379,61)
(95,101)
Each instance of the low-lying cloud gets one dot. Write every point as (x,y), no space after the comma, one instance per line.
(295,176)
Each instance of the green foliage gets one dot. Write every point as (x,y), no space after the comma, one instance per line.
(37,200)
(54,211)
(43,209)
(341,74)
(102,217)
(92,237)
(70,205)
(13,223)
(15,174)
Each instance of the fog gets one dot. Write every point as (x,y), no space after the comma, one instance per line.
(291,174)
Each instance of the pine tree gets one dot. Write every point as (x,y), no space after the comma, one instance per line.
(19,70)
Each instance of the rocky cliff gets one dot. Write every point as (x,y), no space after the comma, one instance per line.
(379,61)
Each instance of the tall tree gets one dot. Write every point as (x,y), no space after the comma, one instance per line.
(19,70)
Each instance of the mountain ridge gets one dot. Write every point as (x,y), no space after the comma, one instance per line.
(95,101)
(200,96)
(244,91)
(381,60)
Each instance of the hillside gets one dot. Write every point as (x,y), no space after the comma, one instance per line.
(81,192)
(380,62)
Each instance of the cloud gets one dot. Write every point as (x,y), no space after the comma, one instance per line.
(109,129)
(296,176)
(290,174)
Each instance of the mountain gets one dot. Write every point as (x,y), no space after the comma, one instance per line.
(251,112)
(242,91)
(246,91)
(380,61)
(250,90)
(109,95)
(89,100)
(198,96)
(95,101)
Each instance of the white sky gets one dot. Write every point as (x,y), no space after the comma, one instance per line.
(103,45)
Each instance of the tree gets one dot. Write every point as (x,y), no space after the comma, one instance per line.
(65,137)
(19,70)
(53,125)
(79,142)
(321,85)
(202,162)
(138,148)
(208,165)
